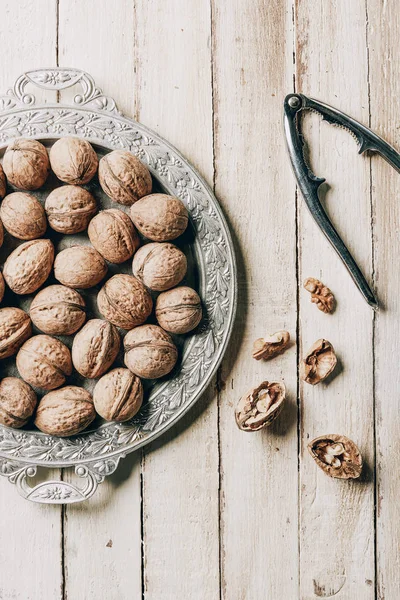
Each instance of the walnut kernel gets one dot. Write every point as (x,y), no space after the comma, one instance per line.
(271,346)
(260,406)
(318,363)
(337,456)
(320,295)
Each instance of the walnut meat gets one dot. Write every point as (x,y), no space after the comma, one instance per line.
(320,295)
(28,266)
(149,352)
(318,363)
(65,412)
(2,287)
(17,402)
(179,310)
(113,234)
(79,267)
(23,216)
(15,328)
(95,348)
(337,456)
(69,209)
(260,406)
(44,362)
(58,310)
(160,266)
(123,177)
(271,346)
(73,160)
(3,183)
(160,217)
(26,164)
(124,301)
(118,395)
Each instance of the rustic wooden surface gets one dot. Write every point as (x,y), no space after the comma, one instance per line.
(208,512)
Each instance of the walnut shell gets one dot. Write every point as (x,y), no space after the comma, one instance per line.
(95,348)
(79,267)
(124,301)
(73,160)
(123,177)
(65,412)
(271,346)
(15,328)
(337,456)
(318,363)
(113,234)
(179,310)
(160,266)
(28,266)
(44,362)
(58,310)
(118,395)
(149,352)
(3,184)
(260,406)
(69,208)
(17,402)
(23,216)
(2,287)
(160,217)
(26,164)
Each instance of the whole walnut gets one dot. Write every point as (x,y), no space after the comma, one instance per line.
(124,301)
(95,348)
(79,267)
(113,234)
(160,266)
(3,183)
(44,362)
(179,310)
(65,412)
(118,395)
(58,310)
(23,216)
(15,328)
(69,209)
(73,160)
(123,177)
(28,266)
(2,287)
(17,402)
(160,217)
(149,352)
(26,164)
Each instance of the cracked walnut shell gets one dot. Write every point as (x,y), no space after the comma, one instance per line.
(271,346)
(23,216)
(149,352)
(113,234)
(319,362)
(28,266)
(160,266)
(123,177)
(44,362)
(118,395)
(337,456)
(73,160)
(69,209)
(65,412)
(26,164)
(95,348)
(320,295)
(260,406)
(3,184)
(160,217)
(15,328)
(79,267)
(179,310)
(17,402)
(58,310)
(124,301)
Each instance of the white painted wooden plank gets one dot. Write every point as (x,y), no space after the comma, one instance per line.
(337,518)
(253,71)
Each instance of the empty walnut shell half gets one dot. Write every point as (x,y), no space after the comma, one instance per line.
(69,209)
(58,310)
(271,346)
(123,177)
(17,402)
(26,164)
(320,294)
(318,363)
(118,395)
(337,456)
(260,406)
(73,160)
(44,362)
(3,183)
(23,216)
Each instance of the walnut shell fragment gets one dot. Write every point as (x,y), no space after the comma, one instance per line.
(26,164)
(15,328)
(65,412)
(23,216)
(17,402)
(271,346)
(44,362)
(3,183)
(160,217)
(118,395)
(337,456)
(123,177)
(79,267)
(73,160)
(58,310)
(320,295)
(69,209)
(28,266)
(95,348)
(149,352)
(260,406)
(113,234)
(318,363)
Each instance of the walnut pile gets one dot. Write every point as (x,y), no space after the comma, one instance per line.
(320,295)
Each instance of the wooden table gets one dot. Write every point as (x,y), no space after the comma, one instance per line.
(208,512)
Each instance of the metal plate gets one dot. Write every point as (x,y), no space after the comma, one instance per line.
(95,453)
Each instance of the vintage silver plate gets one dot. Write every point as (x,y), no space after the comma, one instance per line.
(95,453)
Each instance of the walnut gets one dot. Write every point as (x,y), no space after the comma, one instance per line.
(69,209)
(17,402)
(124,301)
(3,184)
(79,267)
(2,287)
(23,216)
(179,310)
(320,294)
(149,352)
(260,406)
(160,217)
(73,160)
(58,310)
(160,266)
(113,234)
(28,266)
(65,412)
(271,346)
(26,164)
(337,456)
(123,177)
(15,328)
(95,348)
(118,395)
(318,363)
(44,362)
